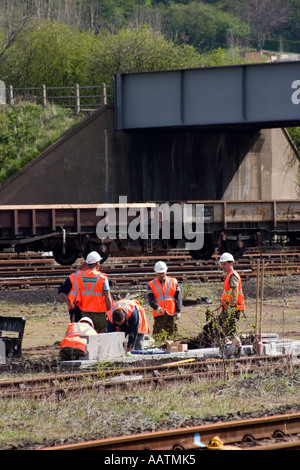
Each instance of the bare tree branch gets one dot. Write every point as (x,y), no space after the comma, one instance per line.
(265,16)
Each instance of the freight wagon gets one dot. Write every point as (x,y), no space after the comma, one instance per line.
(71,231)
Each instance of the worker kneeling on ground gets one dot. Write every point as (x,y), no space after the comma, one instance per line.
(130,317)
(74,343)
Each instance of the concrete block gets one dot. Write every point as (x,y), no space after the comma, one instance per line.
(296,347)
(2,352)
(105,346)
(247,350)
(281,346)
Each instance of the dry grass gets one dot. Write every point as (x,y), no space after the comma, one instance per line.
(29,423)
(93,415)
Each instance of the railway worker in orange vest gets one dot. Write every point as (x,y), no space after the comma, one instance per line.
(232,301)
(164,297)
(74,343)
(129,316)
(68,293)
(89,291)
(94,297)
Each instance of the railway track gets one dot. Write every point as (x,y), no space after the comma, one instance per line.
(30,273)
(35,272)
(279,432)
(62,385)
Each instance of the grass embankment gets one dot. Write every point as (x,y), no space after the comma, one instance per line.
(28,129)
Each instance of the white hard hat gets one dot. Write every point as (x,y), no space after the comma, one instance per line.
(87,320)
(160,267)
(93,257)
(226,257)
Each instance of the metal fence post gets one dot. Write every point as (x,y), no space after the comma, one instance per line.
(11,95)
(44,96)
(66,100)
(103,99)
(77,99)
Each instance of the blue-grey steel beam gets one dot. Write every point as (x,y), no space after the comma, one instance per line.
(262,94)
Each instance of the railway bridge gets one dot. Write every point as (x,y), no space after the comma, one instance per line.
(214,135)
(201,134)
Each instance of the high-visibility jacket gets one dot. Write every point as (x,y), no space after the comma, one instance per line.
(72,296)
(90,293)
(164,295)
(73,339)
(128,306)
(239,303)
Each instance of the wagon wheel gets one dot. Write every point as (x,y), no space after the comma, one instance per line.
(206,251)
(67,258)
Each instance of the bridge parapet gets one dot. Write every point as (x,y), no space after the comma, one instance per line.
(262,95)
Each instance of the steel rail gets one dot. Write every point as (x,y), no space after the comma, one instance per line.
(188,370)
(32,275)
(236,432)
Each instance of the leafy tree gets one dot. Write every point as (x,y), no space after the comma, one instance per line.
(140,50)
(295,135)
(220,56)
(47,53)
(203,25)
(293,29)
(58,56)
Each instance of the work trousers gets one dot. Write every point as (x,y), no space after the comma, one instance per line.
(139,344)
(99,319)
(71,354)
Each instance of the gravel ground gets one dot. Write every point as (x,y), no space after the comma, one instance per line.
(112,420)
(282,396)
(47,316)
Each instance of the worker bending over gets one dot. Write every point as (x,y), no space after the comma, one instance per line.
(130,317)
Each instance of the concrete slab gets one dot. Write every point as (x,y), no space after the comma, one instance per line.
(204,353)
(283,346)
(105,347)
(272,346)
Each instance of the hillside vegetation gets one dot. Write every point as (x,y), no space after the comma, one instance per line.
(60,43)
(26,130)
(67,42)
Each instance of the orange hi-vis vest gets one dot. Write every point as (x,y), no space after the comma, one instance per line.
(72,296)
(239,303)
(164,295)
(73,337)
(90,294)
(128,306)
